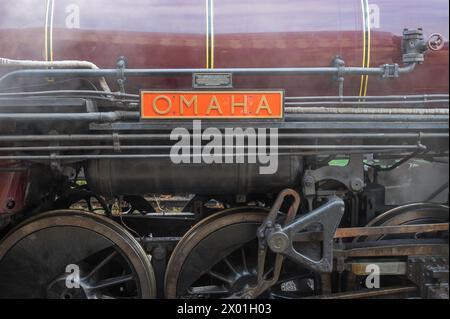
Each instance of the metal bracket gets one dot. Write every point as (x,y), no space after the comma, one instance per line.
(390,71)
(327,218)
(122,64)
(116,142)
(352,176)
(339,63)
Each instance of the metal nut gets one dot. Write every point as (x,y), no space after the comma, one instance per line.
(278,242)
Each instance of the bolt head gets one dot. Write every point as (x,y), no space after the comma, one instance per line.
(308,181)
(357,184)
(278,242)
(10,204)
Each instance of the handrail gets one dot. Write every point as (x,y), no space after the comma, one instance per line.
(386,71)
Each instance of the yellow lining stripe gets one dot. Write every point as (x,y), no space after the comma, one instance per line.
(51,30)
(48,32)
(366,46)
(369,47)
(209,34)
(361,85)
(212,34)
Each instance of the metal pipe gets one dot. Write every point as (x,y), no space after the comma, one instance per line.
(188,72)
(385,102)
(86,117)
(85,97)
(406,105)
(406,69)
(421,97)
(366,125)
(365,117)
(334,110)
(121,137)
(135,116)
(76,92)
(55,64)
(148,156)
(168,147)
(372,97)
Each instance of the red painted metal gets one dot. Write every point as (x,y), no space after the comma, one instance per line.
(12,190)
(251,33)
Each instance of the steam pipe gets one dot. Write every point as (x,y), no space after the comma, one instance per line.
(381,71)
(168,147)
(87,117)
(134,137)
(394,101)
(391,148)
(364,117)
(54,64)
(368,111)
(418,97)
(135,116)
(381,102)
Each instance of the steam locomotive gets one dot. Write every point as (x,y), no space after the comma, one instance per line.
(224,149)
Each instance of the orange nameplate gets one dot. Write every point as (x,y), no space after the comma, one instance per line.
(211,105)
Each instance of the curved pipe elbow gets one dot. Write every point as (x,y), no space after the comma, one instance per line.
(407,69)
(67,64)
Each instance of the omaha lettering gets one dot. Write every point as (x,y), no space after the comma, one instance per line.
(206,104)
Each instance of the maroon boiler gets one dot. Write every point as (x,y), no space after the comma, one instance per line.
(232,33)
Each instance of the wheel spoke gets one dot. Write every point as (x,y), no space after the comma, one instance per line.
(244,259)
(228,263)
(220,277)
(112,281)
(207,290)
(100,265)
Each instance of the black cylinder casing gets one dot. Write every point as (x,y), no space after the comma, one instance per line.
(160,175)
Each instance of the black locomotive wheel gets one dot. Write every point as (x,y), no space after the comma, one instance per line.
(217,259)
(72,254)
(411,214)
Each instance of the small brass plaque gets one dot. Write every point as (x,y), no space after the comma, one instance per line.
(212,81)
